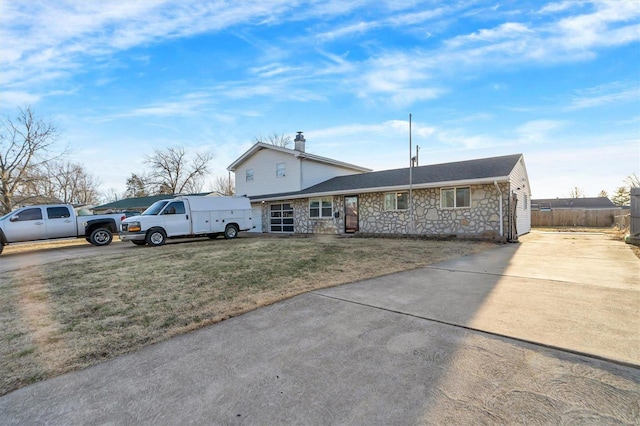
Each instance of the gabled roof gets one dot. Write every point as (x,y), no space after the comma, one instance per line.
(298,154)
(573,203)
(137,203)
(484,170)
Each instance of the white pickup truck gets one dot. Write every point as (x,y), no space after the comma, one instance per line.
(51,221)
(188,216)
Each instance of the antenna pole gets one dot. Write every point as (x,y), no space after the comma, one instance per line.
(411,224)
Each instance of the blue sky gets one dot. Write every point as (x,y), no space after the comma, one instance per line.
(556,81)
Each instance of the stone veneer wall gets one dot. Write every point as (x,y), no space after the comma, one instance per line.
(482,219)
(306,225)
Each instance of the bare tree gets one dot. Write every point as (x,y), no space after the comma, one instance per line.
(576,193)
(25,143)
(174,172)
(275,139)
(603,193)
(66,181)
(633,180)
(225,185)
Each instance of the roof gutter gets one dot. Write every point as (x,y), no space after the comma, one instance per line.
(445,184)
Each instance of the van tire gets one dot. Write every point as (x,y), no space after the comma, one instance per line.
(156,237)
(230,232)
(101,237)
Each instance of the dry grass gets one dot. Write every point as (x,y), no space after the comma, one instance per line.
(72,314)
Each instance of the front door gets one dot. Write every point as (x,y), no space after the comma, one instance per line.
(351,214)
(26,225)
(176,221)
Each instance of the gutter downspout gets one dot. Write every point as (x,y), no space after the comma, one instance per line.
(501,220)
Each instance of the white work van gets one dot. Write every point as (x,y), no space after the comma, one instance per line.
(188,216)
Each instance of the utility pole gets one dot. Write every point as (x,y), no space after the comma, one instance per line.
(411,227)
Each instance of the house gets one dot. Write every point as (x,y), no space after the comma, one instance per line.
(593,203)
(138,204)
(594,212)
(292,191)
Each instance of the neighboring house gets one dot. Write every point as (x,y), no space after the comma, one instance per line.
(595,211)
(139,204)
(486,198)
(594,203)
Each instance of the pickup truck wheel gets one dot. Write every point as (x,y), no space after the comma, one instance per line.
(139,243)
(156,237)
(100,237)
(230,232)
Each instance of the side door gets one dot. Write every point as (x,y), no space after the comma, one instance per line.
(60,224)
(26,225)
(176,220)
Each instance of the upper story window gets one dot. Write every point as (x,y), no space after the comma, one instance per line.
(396,201)
(58,212)
(249,175)
(281,170)
(321,207)
(455,198)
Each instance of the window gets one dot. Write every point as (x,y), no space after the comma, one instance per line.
(58,212)
(175,208)
(249,175)
(321,207)
(280,170)
(455,198)
(396,201)
(28,214)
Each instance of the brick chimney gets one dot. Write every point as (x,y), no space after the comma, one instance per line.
(299,142)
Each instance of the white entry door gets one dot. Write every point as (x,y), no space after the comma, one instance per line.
(256,218)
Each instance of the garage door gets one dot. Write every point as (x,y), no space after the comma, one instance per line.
(281,217)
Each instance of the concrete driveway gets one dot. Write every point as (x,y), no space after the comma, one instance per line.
(545,332)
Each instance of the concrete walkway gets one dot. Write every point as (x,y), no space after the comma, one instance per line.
(546,331)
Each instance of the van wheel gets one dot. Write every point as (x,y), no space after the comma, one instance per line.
(156,237)
(100,237)
(230,232)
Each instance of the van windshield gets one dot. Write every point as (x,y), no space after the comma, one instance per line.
(155,208)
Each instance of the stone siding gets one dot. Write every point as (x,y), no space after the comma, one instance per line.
(481,220)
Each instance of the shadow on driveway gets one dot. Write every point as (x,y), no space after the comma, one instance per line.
(406,348)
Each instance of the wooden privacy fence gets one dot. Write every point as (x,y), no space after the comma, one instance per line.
(634,220)
(575,217)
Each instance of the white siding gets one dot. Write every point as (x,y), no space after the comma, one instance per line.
(265,181)
(314,172)
(519,181)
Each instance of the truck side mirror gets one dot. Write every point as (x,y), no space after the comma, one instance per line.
(14,218)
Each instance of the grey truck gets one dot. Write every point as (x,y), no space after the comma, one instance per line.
(51,221)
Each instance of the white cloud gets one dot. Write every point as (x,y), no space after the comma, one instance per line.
(613,93)
(538,130)
(509,30)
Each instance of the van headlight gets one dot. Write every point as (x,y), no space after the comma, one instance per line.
(134,227)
